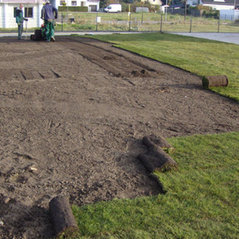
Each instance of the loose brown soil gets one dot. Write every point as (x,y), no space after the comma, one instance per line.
(72,114)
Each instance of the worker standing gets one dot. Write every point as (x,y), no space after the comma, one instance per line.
(49,14)
(19,21)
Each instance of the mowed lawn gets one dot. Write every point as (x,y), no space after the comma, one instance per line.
(202,199)
(199,56)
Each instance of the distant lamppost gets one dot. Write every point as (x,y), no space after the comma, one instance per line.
(185,9)
(166,10)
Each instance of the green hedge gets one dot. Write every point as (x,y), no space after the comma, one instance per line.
(72,9)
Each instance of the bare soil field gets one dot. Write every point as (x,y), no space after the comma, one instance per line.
(72,116)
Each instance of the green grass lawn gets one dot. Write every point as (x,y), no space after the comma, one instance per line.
(199,56)
(201,199)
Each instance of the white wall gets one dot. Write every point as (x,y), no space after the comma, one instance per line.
(219,7)
(69,2)
(86,3)
(7,19)
(93,3)
(1,16)
(231,15)
(192,2)
(153,2)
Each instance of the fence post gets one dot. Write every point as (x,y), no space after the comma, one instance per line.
(191,23)
(96,22)
(62,22)
(129,13)
(161,23)
(218,25)
(185,9)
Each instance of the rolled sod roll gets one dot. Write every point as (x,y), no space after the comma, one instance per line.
(211,81)
(62,217)
(155,158)
(158,140)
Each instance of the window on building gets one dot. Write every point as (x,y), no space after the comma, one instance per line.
(73,3)
(82,4)
(14,11)
(62,2)
(28,12)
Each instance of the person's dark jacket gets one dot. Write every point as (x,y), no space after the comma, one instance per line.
(48,12)
(19,16)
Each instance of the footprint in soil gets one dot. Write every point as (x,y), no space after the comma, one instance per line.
(139,73)
(108,58)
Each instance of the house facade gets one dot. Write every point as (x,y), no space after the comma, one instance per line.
(93,5)
(231,15)
(153,2)
(220,4)
(31,11)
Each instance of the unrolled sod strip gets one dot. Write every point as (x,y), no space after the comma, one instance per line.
(62,217)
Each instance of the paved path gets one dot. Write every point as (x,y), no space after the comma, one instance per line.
(224,37)
(14,34)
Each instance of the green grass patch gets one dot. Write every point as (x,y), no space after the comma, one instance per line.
(201,199)
(199,56)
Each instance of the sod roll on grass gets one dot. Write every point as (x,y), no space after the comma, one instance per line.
(155,158)
(214,81)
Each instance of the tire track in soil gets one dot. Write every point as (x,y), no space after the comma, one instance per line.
(82,129)
(116,64)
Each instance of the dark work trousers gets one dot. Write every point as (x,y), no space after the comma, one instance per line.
(20,30)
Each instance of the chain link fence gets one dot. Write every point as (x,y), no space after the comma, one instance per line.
(144,22)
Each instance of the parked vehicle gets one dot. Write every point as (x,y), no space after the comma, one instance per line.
(113,8)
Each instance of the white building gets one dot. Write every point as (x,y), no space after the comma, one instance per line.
(93,5)
(31,11)
(153,2)
(231,15)
(220,4)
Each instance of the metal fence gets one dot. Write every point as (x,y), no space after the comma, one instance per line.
(71,21)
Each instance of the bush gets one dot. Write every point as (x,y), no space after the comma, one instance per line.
(208,11)
(237,22)
(72,9)
(124,7)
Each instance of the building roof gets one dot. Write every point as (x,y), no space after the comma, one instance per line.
(22,1)
(220,2)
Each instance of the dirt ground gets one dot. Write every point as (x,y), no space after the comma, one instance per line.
(72,114)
